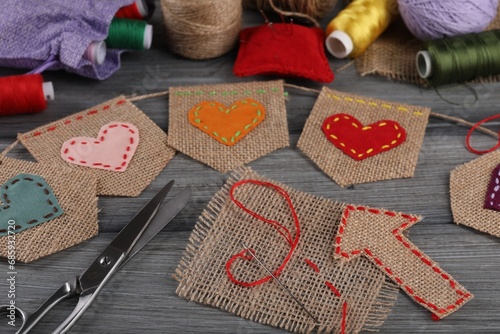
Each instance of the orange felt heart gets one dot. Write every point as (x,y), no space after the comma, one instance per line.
(359,141)
(228,125)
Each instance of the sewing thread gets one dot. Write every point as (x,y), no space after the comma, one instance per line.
(352,31)
(24,94)
(293,241)
(129,34)
(460,58)
(136,11)
(469,134)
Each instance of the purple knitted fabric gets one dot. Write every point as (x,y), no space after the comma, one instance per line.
(32,31)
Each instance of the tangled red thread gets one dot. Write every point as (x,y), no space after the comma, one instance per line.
(469,134)
(280,228)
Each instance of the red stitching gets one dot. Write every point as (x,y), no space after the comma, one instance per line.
(411,220)
(66,122)
(125,156)
(333,288)
(344,317)
(312,265)
(281,229)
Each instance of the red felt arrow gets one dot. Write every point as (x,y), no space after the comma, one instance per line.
(378,235)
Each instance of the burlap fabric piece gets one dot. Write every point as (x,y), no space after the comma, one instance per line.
(378,234)
(399,162)
(217,235)
(151,156)
(468,185)
(393,55)
(76,192)
(268,136)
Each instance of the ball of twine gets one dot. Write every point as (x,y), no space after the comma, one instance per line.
(446,18)
(202,29)
(314,8)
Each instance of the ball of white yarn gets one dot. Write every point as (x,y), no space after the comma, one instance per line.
(431,19)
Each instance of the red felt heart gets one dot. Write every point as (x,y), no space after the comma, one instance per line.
(359,141)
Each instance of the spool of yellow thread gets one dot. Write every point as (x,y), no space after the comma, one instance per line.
(358,25)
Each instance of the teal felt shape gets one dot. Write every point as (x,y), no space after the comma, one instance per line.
(26,200)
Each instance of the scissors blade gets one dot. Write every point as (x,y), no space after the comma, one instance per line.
(164,216)
(115,253)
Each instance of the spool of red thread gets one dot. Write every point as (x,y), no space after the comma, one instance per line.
(24,94)
(136,11)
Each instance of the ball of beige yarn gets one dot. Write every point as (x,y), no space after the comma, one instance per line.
(202,29)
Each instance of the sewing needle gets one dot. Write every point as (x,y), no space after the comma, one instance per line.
(279,282)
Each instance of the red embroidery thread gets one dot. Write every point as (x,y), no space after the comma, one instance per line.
(312,265)
(280,228)
(333,288)
(469,134)
(80,117)
(397,233)
(344,317)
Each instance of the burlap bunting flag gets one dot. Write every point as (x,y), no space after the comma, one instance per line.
(78,203)
(224,135)
(348,137)
(52,143)
(469,185)
(322,283)
(393,55)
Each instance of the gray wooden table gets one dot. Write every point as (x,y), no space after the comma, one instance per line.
(141,297)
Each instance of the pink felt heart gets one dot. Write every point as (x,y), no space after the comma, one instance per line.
(113,148)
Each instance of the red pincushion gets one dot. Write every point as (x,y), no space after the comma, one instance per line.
(284,49)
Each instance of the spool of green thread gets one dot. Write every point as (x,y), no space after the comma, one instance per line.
(460,58)
(129,34)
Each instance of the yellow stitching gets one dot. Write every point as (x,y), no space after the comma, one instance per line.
(360,155)
(373,104)
(399,135)
(394,142)
(328,126)
(225,93)
(366,128)
(334,137)
(385,146)
(369,151)
(342,144)
(353,150)
(336,119)
(355,125)
(382,124)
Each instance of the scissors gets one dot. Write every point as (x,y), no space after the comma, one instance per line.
(86,286)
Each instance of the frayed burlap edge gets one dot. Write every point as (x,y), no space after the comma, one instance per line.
(375,316)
